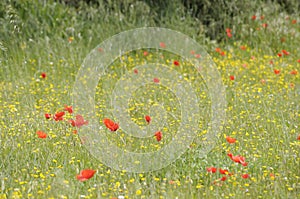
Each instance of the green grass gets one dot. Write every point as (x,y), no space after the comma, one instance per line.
(262,110)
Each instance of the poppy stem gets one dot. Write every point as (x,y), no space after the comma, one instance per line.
(124,142)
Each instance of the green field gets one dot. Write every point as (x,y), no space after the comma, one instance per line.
(255,48)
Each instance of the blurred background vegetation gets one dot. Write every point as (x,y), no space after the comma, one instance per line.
(44,26)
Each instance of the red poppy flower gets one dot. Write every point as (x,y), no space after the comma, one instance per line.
(285,52)
(155,80)
(262,17)
(136,71)
(231,77)
(111,125)
(148,119)
(41,134)
(197,56)
(145,53)
(211,169)
(100,49)
(176,63)
(192,52)
(218,50)
(294,72)
(69,109)
(223,178)
(298,138)
(74,131)
(243,47)
(85,175)
(172,182)
(243,161)
(234,158)
(238,159)
(292,85)
(223,171)
(47,115)
(298,60)
(230,140)
(294,21)
(158,136)
(264,25)
(276,71)
(271,62)
(245,176)
(43,75)
(279,54)
(263,81)
(59,116)
(228,32)
(253,17)
(223,53)
(162,44)
(78,122)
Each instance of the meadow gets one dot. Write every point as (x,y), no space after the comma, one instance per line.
(43,154)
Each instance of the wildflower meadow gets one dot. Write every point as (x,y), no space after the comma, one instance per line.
(147,99)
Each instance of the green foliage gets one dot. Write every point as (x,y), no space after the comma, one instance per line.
(51,18)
